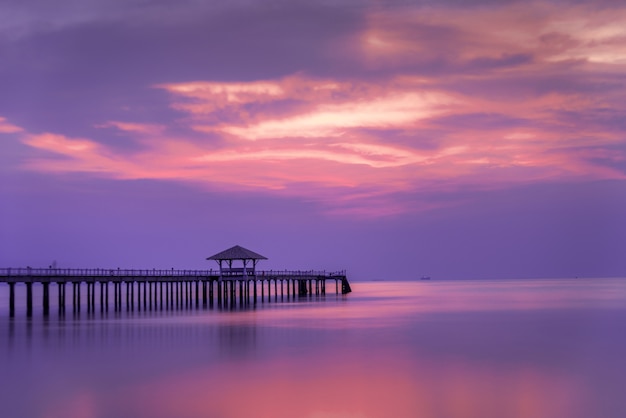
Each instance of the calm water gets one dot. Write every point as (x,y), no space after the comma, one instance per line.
(501,349)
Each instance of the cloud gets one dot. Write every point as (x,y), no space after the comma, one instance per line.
(8,128)
(441,99)
(137,128)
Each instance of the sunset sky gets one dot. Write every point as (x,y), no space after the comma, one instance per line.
(456,139)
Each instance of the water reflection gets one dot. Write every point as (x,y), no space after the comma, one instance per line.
(481,349)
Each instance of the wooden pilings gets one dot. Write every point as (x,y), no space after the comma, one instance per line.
(29,299)
(146,295)
(11,300)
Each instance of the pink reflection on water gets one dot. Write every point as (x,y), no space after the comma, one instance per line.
(393,302)
(82,405)
(532,348)
(344,383)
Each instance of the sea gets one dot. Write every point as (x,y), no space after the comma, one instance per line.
(540,348)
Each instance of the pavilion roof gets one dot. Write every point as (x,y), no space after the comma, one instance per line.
(237,253)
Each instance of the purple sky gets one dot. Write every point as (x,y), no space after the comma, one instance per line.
(453,139)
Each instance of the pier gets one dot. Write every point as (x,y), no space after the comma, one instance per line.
(158,289)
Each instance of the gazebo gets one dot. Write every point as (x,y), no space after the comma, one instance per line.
(237,253)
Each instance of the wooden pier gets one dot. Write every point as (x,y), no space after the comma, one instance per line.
(166,289)
(227,287)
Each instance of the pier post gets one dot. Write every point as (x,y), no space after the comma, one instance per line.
(106,296)
(93,296)
(29,299)
(61,295)
(101,297)
(115,296)
(167,297)
(161,296)
(11,300)
(138,296)
(132,295)
(149,284)
(76,296)
(46,298)
(129,295)
(89,289)
(119,296)
(145,297)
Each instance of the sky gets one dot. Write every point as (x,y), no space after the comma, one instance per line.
(396,139)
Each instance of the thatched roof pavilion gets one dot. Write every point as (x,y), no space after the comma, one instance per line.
(237,253)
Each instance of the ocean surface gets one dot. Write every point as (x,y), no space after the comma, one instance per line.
(445,349)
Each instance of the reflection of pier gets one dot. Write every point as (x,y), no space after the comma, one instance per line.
(172,289)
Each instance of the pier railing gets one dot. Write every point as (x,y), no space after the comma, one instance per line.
(99,274)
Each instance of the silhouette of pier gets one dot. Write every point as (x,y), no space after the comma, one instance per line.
(159,289)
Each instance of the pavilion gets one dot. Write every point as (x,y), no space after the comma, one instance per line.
(248,259)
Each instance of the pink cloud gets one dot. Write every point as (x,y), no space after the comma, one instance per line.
(355,145)
(8,128)
(137,128)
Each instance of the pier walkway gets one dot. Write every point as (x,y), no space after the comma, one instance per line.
(167,288)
